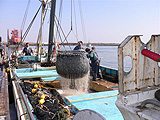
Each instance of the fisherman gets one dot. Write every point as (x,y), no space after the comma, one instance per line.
(79,46)
(94,49)
(94,62)
(1,47)
(99,74)
(27,50)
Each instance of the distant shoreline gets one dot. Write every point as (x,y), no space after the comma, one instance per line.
(92,44)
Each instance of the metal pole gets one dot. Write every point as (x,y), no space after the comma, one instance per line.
(51,29)
(40,42)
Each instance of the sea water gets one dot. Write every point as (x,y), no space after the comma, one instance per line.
(108,55)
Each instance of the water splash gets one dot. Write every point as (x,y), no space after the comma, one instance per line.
(75,86)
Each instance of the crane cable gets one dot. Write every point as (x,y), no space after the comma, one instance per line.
(71,28)
(82,21)
(76,34)
(25,15)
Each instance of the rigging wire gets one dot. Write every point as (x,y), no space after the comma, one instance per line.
(25,15)
(60,36)
(59,16)
(62,31)
(59,27)
(30,25)
(75,21)
(82,21)
(27,31)
(65,37)
(71,14)
(60,10)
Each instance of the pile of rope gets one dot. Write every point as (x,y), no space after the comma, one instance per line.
(72,64)
(47,103)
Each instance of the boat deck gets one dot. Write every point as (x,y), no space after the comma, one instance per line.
(100,102)
(92,101)
(50,76)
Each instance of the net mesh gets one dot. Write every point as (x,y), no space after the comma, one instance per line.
(51,109)
(72,64)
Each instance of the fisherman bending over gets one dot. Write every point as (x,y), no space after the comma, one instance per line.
(99,74)
(27,50)
(79,46)
(94,62)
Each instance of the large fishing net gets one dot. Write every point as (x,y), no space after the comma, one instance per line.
(53,107)
(72,64)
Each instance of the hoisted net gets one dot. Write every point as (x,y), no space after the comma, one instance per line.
(72,64)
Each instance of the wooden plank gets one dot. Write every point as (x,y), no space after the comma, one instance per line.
(103,85)
(4,98)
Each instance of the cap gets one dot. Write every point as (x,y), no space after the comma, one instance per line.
(80,42)
(87,49)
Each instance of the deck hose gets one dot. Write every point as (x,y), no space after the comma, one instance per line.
(150,101)
(72,64)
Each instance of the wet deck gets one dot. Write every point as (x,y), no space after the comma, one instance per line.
(100,102)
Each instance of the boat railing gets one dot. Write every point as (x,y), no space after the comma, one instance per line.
(21,102)
(144,73)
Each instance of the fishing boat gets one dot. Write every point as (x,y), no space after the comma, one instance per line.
(138,96)
(37,89)
(88,44)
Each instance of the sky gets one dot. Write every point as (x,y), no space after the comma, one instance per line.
(101,21)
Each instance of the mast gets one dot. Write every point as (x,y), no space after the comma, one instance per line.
(40,42)
(51,29)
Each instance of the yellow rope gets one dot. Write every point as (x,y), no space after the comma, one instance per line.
(93,98)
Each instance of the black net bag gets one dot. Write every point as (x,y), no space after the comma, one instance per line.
(72,64)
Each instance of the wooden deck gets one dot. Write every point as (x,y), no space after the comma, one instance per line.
(99,85)
(103,85)
(4,97)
